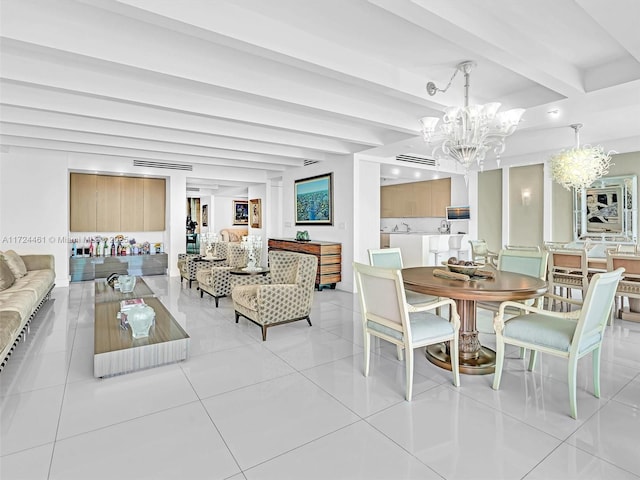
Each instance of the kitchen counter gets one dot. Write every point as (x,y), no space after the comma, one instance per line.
(416,246)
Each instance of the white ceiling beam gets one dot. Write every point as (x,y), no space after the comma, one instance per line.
(140,91)
(186,58)
(123,152)
(75,136)
(624,28)
(234,25)
(44,118)
(487,37)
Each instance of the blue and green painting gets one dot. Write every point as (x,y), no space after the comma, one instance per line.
(313,200)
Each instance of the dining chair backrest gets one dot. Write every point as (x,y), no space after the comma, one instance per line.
(627,248)
(382,296)
(529,248)
(526,262)
(480,251)
(385,257)
(595,310)
(629,286)
(568,268)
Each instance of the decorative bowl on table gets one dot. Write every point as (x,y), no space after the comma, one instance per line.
(464,269)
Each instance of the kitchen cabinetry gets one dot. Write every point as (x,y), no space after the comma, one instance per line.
(82,198)
(417,199)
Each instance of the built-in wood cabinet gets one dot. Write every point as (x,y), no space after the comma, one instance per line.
(82,202)
(108,203)
(417,199)
(132,204)
(154,203)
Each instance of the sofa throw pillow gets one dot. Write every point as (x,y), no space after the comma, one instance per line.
(15,263)
(6,277)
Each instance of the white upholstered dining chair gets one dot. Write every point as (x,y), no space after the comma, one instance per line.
(571,335)
(385,315)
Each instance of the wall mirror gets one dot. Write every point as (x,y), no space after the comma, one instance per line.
(607,211)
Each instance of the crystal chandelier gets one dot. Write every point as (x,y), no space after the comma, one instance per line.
(468,133)
(579,167)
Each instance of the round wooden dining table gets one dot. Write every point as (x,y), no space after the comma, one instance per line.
(474,358)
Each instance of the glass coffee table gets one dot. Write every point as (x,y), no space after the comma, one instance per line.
(116,351)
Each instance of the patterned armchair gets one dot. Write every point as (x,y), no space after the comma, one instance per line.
(187,266)
(287,298)
(217,281)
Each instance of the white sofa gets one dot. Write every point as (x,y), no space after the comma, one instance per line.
(21,298)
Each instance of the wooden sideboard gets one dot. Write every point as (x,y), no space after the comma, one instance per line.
(329,256)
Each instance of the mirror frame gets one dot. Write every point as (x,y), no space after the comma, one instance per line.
(601,202)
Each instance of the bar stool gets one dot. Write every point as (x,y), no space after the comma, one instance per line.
(455,245)
(435,247)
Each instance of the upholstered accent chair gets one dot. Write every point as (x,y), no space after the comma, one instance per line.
(217,280)
(571,335)
(187,266)
(287,297)
(392,258)
(385,315)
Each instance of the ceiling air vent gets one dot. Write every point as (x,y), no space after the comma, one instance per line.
(415,159)
(309,162)
(193,189)
(167,165)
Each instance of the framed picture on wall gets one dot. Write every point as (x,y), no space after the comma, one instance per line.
(240,212)
(255,213)
(205,215)
(314,200)
(603,209)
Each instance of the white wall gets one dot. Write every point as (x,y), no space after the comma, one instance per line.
(34,205)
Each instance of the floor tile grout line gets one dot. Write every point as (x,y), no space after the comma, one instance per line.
(64,390)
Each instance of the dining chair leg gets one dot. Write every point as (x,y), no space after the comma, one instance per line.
(399,352)
(572,372)
(532,360)
(409,370)
(499,362)
(596,371)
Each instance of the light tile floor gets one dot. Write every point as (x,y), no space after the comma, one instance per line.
(298,407)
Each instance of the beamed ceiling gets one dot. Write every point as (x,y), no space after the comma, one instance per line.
(270,85)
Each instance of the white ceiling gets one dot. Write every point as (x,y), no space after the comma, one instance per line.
(268,85)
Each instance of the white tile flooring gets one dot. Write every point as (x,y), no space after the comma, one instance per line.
(298,407)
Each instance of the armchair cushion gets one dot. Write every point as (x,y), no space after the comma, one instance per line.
(15,263)
(423,325)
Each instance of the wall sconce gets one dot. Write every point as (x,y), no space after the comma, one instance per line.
(526,197)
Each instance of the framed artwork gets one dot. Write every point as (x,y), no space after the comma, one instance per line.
(603,209)
(314,200)
(255,213)
(205,215)
(240,212)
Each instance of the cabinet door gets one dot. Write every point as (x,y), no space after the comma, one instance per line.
(154,204)
(440,197)
(132,204)
(422,192)
(82,202)
(108,203)
(386,209)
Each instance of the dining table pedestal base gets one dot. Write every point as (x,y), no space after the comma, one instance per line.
(483,364)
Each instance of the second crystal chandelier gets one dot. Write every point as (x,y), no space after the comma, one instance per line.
(467,133)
